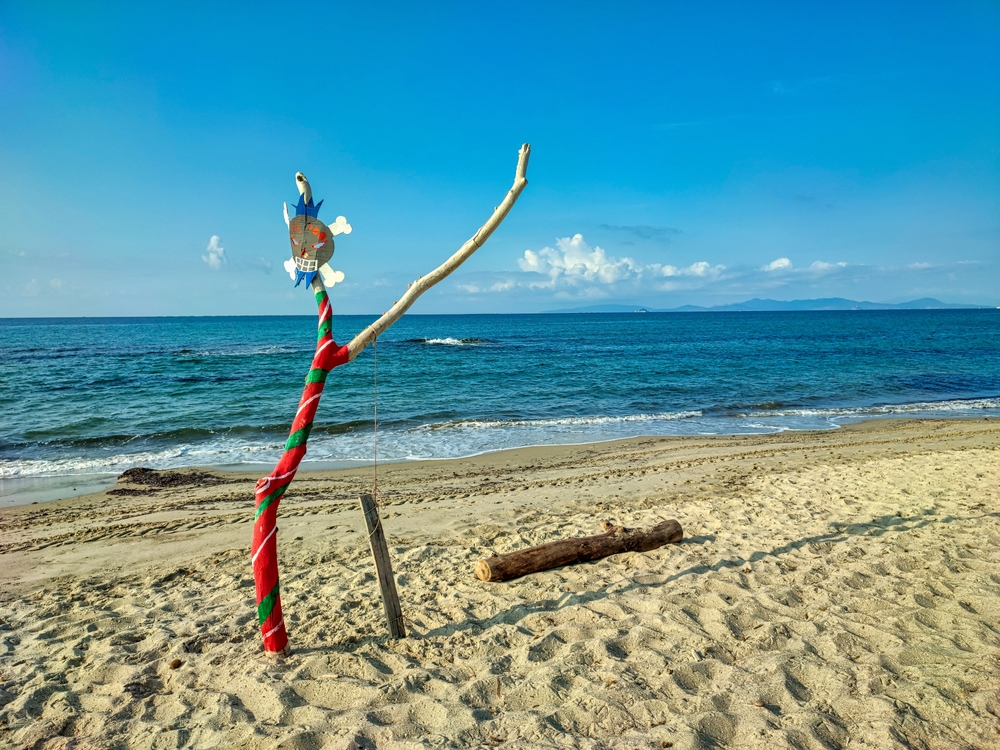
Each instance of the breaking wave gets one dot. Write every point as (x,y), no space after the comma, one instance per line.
(449,341)
(952,405)
(501,424)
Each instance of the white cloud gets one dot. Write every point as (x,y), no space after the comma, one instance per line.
(56,283)
(780,264)
(501,285)
(215,255)
(701,268)
(589,292)
(820,266)
(574,261)
(918,266)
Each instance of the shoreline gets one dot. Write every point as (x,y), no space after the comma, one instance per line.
(826,579)
(357,479)
(48,487)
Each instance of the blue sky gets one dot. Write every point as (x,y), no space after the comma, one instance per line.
(682,153)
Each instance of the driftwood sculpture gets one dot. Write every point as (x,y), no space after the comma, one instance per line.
(312,250)
(614,540)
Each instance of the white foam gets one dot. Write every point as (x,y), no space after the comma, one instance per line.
(501,424)
(84,465)
(973,404)
(181,455)
(246,352)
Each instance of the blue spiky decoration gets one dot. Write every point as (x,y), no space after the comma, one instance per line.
(301,276)
(307,209)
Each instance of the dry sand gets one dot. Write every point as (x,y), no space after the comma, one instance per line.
(837,588)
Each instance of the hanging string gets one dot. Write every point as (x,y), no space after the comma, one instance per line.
(376,494)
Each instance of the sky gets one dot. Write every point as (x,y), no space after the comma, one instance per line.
(682,153)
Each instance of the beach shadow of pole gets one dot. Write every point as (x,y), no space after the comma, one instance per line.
(840,533)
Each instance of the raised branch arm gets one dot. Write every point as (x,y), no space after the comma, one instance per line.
(422,284)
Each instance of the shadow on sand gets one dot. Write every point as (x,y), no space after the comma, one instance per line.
(839,533)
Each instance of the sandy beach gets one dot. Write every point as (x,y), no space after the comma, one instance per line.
(834,589)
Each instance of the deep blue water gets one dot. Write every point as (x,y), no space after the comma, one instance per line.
(97,396)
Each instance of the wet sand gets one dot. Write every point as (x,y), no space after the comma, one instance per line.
(834,589)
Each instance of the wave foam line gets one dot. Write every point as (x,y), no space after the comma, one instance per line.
(449,341)
(972,404)
(488,424)
(174,457)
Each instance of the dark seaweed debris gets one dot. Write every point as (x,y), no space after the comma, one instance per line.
(159,479)
(128,492)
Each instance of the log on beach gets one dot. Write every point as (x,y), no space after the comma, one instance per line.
(614,540)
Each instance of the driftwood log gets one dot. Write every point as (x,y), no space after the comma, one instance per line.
(614,540)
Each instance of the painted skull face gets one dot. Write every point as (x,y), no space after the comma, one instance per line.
(311,241)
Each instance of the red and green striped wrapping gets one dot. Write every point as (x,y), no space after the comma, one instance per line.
(269,490)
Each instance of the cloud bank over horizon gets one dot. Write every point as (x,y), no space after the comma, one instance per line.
(574,270)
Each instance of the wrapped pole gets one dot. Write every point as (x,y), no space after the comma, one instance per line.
(270,489)
(310,262)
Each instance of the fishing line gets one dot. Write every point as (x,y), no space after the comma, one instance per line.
(376,494)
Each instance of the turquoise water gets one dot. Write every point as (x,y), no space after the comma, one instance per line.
(84,399)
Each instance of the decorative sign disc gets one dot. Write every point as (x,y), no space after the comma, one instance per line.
(312,240)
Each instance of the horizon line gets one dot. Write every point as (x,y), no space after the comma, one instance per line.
(542,312)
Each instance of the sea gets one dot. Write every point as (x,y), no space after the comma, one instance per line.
(82,400)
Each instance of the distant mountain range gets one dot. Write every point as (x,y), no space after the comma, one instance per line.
(772,305)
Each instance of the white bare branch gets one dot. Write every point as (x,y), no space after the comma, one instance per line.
(422,284)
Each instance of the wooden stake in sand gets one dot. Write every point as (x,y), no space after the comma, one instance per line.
(309,238)
(383,566)
(614,540)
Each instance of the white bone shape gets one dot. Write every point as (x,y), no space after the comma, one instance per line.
(329,276)
(340,226)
